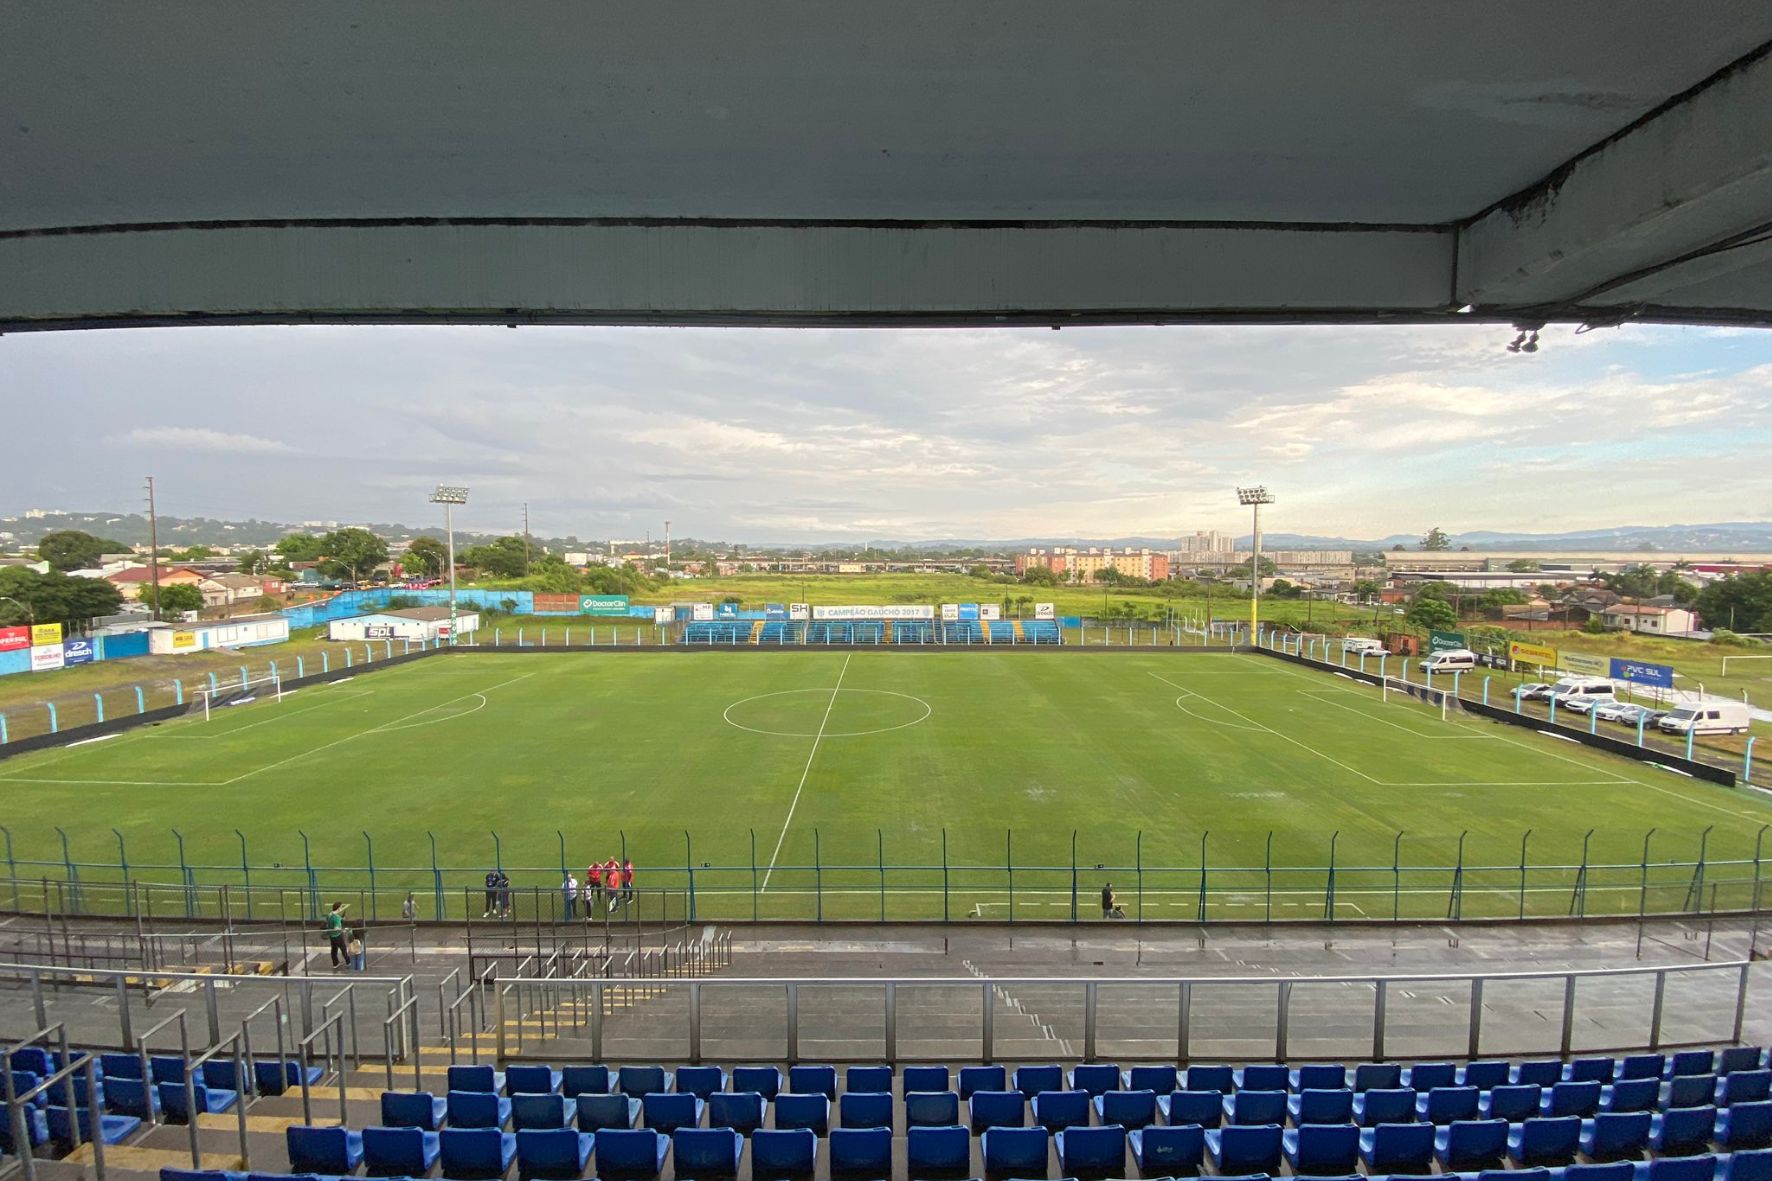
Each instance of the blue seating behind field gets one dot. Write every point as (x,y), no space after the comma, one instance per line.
(916,632)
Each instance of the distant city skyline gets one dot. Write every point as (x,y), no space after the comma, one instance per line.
(841,436)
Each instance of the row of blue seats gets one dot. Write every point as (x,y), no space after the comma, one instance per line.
(937,1152)
(269,1076)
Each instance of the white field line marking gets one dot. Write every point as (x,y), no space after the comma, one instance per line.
(807,770)
(389,729)
(1323,696)
(281,715)
(374,729)
(1227,709)
(100,738)
(1241,896)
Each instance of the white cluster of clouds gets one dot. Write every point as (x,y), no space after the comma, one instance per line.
(777,435)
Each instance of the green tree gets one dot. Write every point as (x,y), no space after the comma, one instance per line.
(351,553)
(54,598)
(1366,588)
(177,599)
(1267,567)
(195,553)
(980,571)
(253,561)
(1039,576)
(301,547)
(1502,596)
(1436,539)
(1431,614)
(1739,603)
(505,558)
(70,549)
(425,558)
(1522,565)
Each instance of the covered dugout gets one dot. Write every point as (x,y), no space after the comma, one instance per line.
(410,623)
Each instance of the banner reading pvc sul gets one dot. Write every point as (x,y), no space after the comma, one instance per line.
(1532,654)
(1643,673)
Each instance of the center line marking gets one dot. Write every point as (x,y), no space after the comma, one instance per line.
(816,739)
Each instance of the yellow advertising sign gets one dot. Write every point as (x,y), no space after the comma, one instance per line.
(184,640)
(1532,654)
(1587,666)
(46,633)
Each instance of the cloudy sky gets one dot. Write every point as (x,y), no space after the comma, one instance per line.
(780,435)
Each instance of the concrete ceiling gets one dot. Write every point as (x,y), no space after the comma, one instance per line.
(807,161)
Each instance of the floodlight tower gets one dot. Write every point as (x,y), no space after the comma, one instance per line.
(450,495)
(1255,497)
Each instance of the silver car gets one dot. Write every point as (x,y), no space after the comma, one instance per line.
(1581,703)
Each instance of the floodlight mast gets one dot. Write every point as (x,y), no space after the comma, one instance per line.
(450,495)
(1255,497)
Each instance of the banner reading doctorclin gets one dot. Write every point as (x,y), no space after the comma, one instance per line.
(1537,654)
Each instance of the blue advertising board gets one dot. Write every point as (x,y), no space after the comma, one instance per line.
(78,652)
(969,612)
(775,611)
(1643,673)
(727,610)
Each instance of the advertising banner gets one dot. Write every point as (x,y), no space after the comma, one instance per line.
(603,604)
(184,641)
(969,612)
(14,638)
(1585,665)
(1044,611)
(1445,641)
(79,652)
(1643,673)
(799,611)
(950,612)
(556,604)
(990,611)
(380,631)
(46,633)
(1537,654)
(661,614)
(873,611)
(726,610)
(774,611)
(703,612)
(45,657)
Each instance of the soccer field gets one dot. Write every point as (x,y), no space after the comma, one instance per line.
(800,784)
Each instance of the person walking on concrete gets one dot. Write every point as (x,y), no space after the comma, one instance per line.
(1110,906)
(336,934)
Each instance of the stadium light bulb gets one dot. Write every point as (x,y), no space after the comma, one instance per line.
(1256,495)
(449,494)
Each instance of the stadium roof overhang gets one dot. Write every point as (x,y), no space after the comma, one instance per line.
(922,161)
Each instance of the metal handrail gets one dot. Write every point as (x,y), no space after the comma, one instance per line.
(87,1065)
(389,1028)
(335,1052)
(192,1068)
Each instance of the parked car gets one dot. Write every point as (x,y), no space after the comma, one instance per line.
(1533,691)
(1628,713)
(1581,703)
(1363,645)
(1713,717)
(1451,660)
(1570,687)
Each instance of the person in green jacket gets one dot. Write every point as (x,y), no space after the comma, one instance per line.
(335,934)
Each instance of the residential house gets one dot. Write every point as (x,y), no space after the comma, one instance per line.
(1650,620)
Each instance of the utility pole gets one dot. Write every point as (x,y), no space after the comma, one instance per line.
(153,551)
(526,539)
(667,545)
(1255,498)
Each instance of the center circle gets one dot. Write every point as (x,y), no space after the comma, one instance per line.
(807,713)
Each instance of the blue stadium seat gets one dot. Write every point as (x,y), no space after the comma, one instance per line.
(666,1112)
(1313,1106)
(1425,1076)
(861,1152)
(130,1096)
(1514,1102)
(1031,1080)
(113,1129)
(643,1080)
(477,1109)
(463,1077)
(1255,1107)
(864,1109)
(997,1109)
(1747,1166)
(1682,1131)
(783,1154)
(1691,1062)
(1547,1140)
(523,1079)
(700,1081)
(927,1078)
(476,1154)
(1745,1125)
(278,1078)
(764,1080)
(938,1152)
(540,1112)
(1247,1148)
(1701,1167)
(399,1151)
(1056,1110)
(869,1080)
(1485,1074)
(706,1152)
(1543,1072)
(1319,1076)
(1467,1145)
(1641,1066)
(38,1061)
(742,1111)
(597,1111)
(1205,1108)
(36,1130)
(1161,1079)
(1129,1109)
(931,1109)
(1635,1094)
(1581,1100)
(167,1174)
(25,1080)
(1744,1086)
(1618,1170)
(1387,1106)
(1211,1078)
(1615,1135)
(633,1153)
(1689,1090)
(412,1109)
(1091,1152)
(334,1151)
(1322,1149)
(1378,1076)
(1443,1105)
(1097,1078)
(1262,1076)
(1591,1070)
(1015,1152)
(812,1112)
(1397,1148)
(813,1080)
(584,1080)
(207,1099)
(119,1065)
(1740,1058)
(1168,1152)
(165,1068)
(551,1154)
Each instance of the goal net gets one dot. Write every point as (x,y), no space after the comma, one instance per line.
(268,688)
(1441,701)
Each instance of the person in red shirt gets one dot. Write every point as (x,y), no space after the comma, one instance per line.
(612,879)
(593,888)
(627,881)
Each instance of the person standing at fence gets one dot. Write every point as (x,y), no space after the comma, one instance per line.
(612,879)
(492,876)
(593,889)
(627,881)
(504,895)
(335,934)
(569,896)
(409,908)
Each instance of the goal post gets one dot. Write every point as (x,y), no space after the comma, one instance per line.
(1727,659)
(1442,701)
(266,687)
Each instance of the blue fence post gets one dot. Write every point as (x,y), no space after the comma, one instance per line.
(370,843)
(498,853)
(519,637)
(1691,735)
(245,872)
(178,686)
(141,702)
(273,670)
(11,865)
(1202,903)
(123,864)
(54,725)
(818,875)
(1593,718)
(407,650)
(1747,758)
(300,669)
(689,863)
(325,662)
(212,682)
(347,658)
(497,636)
(243,676)
(184,871)
(2,729)
(313,886)
(72,872)
(1641,718)
(98,705)
(368,654)
(436,877)
(1329,887)
(1486,690)
(1553,709)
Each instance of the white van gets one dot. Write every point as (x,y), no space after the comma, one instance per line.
(1710,717)
(1450,661)
(1357,645)
(1581,687)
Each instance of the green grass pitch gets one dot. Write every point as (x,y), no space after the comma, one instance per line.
(784,780)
